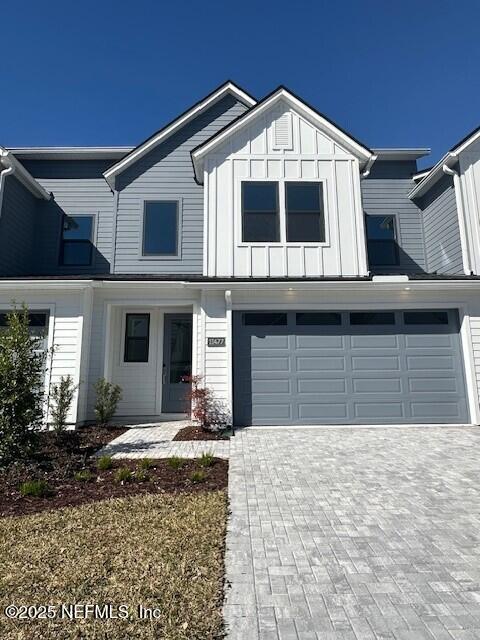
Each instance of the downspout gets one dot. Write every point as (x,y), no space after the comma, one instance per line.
(366,172)
(9,170)
(461,217)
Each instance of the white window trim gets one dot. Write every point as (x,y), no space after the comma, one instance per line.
(151,321)
(163,256)
(282,213)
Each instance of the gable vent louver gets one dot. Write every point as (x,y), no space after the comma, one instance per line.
(282,131)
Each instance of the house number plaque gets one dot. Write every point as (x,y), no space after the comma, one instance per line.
(216,342)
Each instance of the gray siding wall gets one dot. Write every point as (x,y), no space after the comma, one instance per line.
(386,191)
(442,233)
(167,173)
(78,187)
(17,223)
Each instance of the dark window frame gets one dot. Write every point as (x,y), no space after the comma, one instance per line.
(89,242)
(248,315)
(321,212)
(417,317)
(371,318)
(129,339)
(178,243)
(277,211)
(314,318)
(373,242)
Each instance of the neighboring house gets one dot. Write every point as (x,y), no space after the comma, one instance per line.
(307,278)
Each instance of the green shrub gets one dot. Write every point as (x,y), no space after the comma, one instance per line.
(198,476)
(175,462)
(141,475)
(35,488)
(104,463)
(83,476)
(206,460)
(22,361)
(123,475)
(62,396)
(145,464)
(108,397)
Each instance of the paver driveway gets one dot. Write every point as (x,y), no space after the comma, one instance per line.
(358,534)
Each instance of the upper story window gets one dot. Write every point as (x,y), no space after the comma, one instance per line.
(260,212)
(304,209)
(381,241)
(290,211)
(161,228)
(77,237)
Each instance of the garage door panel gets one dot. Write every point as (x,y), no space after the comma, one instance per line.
(376,363)
(310,411)
(329,385)
(445,341)
(427,362)
(271,364)
(376,410)
(375,342)
(319,342)
(343,373)
(429,410)
(377,385)
(322,363)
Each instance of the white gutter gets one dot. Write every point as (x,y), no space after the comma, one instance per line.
(366,172)
(6,172)
(461,217)
(8,160)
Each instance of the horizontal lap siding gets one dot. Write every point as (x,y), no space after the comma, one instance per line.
(442,233)
(17,223)
(67,330)
(164,173)
(216,358)
(385,191)
(78,188)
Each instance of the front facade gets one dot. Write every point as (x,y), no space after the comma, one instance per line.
(307,278)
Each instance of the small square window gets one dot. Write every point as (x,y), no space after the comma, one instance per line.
(381,241)
(304,209)
(137,333)
(77,237)
(160,228)
(260,212)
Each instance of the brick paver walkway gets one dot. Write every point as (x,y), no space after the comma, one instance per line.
(156,442)
(354,534)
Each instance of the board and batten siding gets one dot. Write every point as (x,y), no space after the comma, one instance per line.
(469,192)
(79,188)
(385,191)
(17,229)
(441,229)
(166,173)
(251,154)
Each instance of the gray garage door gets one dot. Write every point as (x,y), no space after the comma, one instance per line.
(348,368)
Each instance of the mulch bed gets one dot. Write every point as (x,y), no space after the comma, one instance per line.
(58,458)
(197,433)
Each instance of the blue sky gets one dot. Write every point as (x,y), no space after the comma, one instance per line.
(111,73)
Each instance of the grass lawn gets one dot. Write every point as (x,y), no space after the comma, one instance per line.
(158,550)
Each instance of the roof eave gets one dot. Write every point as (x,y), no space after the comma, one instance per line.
(364,154)
(175,125)
(7,159)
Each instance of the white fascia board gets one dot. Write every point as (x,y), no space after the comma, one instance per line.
(39,286)
(317,120)
(7,159)
(163,134)
(432,176)
(467,143)
(69,153)
(401,153)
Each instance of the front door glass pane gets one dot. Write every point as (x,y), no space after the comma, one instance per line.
(181,350)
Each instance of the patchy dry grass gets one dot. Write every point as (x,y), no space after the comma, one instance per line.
(163,551)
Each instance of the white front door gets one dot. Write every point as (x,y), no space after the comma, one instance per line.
(136,361)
